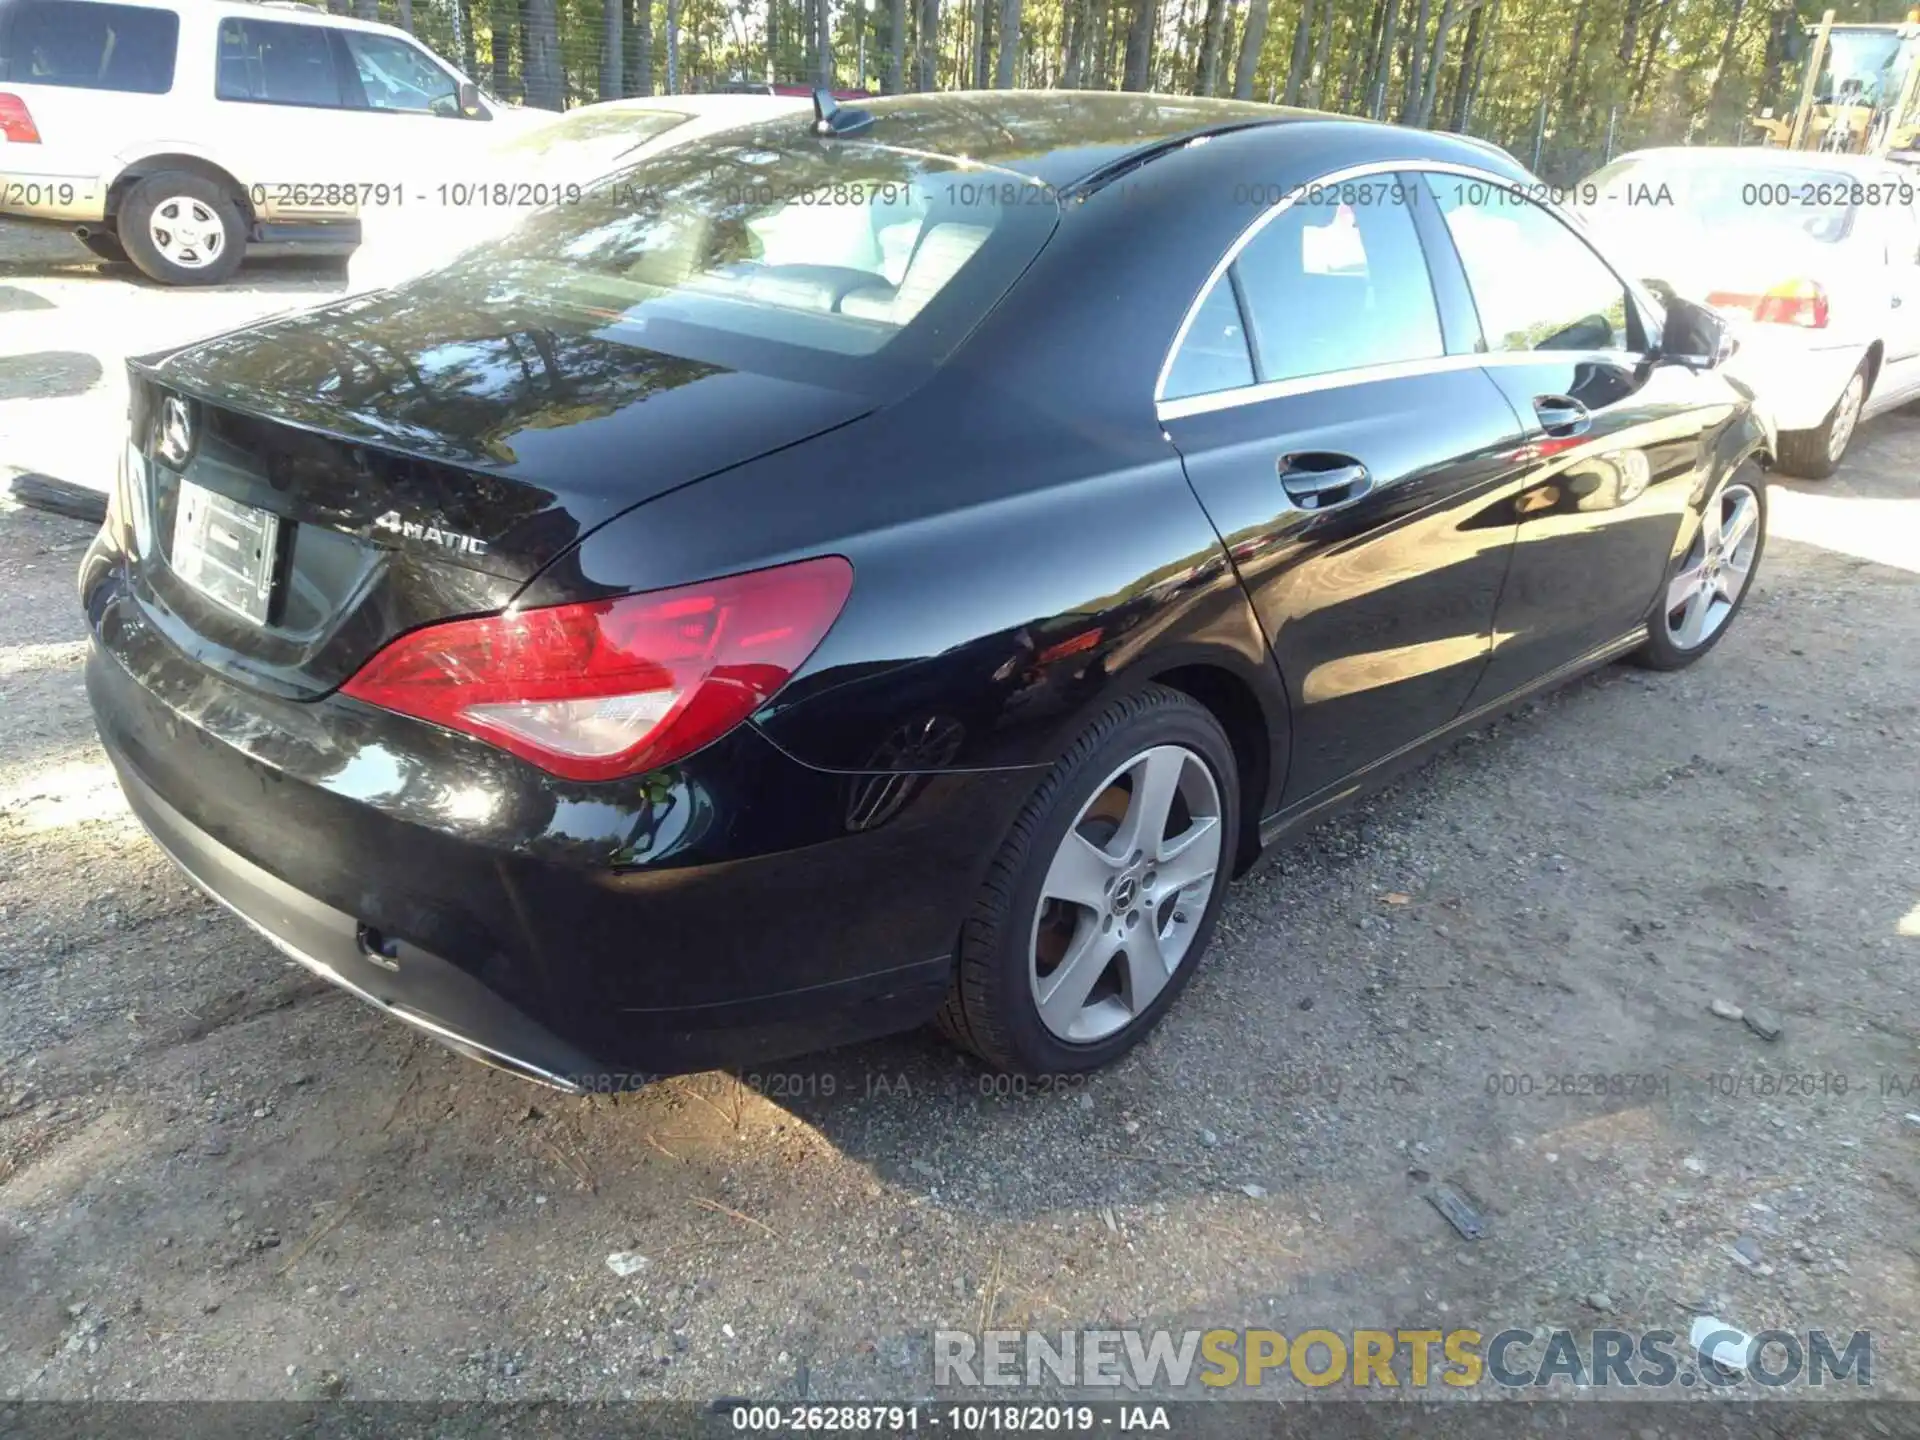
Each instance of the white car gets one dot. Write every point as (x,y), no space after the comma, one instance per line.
(182,134)
(1813,258)
(561,159)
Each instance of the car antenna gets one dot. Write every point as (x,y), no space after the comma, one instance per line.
(830,118)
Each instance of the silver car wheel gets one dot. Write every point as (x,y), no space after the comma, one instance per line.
(1846,416)
(187,232)
(1714,574)
(1125,893)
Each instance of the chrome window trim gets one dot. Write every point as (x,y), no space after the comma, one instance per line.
(1263,390)
(1307,384)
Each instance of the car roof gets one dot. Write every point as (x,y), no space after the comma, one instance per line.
(1758,157)
(745,107)
(1057,136)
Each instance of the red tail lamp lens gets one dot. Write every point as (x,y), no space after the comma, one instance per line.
(606,688)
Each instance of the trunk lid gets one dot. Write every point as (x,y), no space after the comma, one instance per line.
(422,461)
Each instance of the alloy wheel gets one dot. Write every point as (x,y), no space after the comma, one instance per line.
(1718,565)
(1125,893)
(1846,415)
(187,232)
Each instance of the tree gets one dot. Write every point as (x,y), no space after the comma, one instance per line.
(406,15)
(366,9)
(822,45)
(1004,73)
(673,47)
(926,67)
(1206,80)
(1469,67)
(1383,64)
(1431,90)
(1317,78)
(639,41)
(896,49)
(540,59)
(1251,43)
(1417,40)
(1297,57)
(500,46)
(613,53)
(1725,62)
(1146,14)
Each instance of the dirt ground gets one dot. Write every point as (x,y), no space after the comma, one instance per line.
(219,1178)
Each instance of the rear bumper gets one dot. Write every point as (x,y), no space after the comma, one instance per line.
(1794,382)
(423,990)
(735,908)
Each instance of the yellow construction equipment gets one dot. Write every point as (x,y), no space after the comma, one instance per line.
(1859,91)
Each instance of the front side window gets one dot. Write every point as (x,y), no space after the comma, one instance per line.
(129,48)
(1536,284)
(397,76)
(264,60)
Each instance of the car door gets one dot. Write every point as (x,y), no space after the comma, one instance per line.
(279,92)
(1900,368)
(1616,440)
(406,112)
(1357,464)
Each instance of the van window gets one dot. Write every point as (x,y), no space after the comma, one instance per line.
(129,48)
(264,60)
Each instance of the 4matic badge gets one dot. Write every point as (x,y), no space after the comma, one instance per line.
(394,524)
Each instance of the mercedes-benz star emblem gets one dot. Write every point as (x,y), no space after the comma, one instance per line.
(176,433)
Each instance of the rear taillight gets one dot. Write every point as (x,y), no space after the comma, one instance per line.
(610,687)
(1797,302)
(16,121)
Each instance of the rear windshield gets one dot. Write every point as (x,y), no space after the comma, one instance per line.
(840,261)
(86,46)
(1784,201)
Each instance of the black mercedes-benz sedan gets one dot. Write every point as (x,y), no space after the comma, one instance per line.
(870,568)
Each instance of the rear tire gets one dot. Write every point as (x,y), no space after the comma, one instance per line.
(183,229)
(1021,939)
(1816,454)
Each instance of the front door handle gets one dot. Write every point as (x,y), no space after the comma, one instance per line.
(1316,481)
(1562,415)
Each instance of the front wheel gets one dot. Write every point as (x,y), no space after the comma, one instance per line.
(1708,583)
(1100,903)
(1816,454)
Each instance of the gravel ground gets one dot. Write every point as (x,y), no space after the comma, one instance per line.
(219,1178)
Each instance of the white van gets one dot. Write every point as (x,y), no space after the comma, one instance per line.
(181,135)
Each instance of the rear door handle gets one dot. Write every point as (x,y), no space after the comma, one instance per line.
(1315,481)
(1561,415)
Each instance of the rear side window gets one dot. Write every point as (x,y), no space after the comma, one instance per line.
(129,48)
(1537,285)
(1337,284)
(264,60)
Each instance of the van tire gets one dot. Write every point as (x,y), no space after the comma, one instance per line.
(200,201)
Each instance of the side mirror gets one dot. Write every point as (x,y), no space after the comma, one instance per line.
(1694,335)
(469,97)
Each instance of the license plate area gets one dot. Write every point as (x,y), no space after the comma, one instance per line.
(225,550)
